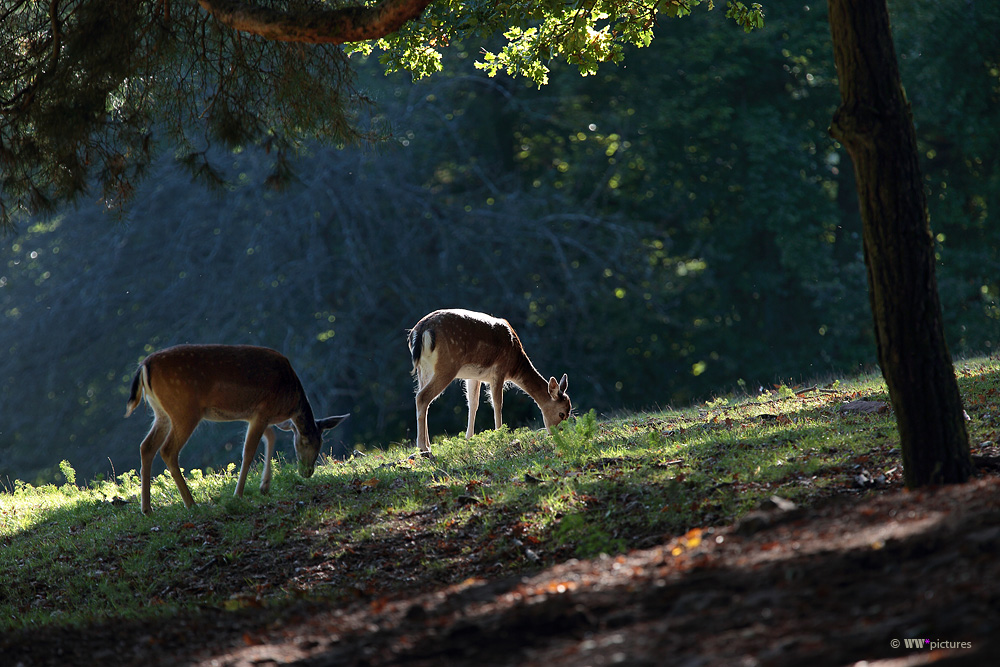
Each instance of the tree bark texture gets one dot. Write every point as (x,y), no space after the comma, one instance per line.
(316,26)
(874,123)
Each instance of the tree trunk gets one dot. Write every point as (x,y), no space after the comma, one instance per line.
(875,125)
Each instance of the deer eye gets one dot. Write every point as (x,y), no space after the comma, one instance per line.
(562,415)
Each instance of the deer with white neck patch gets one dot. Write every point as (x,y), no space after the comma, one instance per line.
(461,344)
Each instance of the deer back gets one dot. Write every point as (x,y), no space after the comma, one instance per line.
(464,339)
(224,383)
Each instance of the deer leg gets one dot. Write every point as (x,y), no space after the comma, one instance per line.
(496,396)
(472,394)
(255,430)
(157,435)
(426,396)
(180,431)
(270,436)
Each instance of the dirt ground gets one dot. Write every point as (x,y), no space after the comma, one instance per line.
(849,581)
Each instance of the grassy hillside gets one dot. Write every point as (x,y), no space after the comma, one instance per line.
(383,523)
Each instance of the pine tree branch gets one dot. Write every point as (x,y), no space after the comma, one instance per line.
(316,26)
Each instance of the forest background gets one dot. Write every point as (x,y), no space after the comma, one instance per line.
(679,225)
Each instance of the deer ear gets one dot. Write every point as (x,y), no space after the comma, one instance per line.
(553,388)
(329,422)
(564,383)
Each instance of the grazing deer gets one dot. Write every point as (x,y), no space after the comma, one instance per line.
(188,383)
(477,348)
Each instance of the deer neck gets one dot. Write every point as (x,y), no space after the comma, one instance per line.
(531,381)
(303,418)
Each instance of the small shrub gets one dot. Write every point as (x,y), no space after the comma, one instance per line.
(575,440)
(67,471)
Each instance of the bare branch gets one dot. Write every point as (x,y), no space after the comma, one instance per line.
(315,26)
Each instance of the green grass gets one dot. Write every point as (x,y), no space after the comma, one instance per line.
(502,503)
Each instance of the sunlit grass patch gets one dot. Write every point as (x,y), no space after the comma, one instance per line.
(500,503)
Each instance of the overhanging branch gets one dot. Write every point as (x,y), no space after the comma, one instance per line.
(316,26)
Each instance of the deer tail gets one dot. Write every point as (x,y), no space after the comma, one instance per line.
(416,342)
(138,391)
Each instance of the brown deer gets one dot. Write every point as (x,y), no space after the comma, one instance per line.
(188,383)
(461,344)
